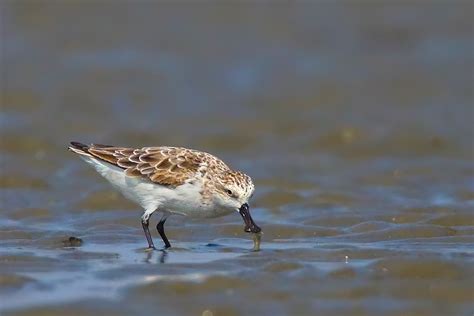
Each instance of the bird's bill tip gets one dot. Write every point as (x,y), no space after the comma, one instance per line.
(250,226)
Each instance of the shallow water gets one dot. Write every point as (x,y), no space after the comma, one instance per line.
(355,122)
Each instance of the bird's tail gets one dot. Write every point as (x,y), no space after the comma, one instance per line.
(80,148)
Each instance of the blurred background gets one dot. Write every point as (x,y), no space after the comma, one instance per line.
(354,118)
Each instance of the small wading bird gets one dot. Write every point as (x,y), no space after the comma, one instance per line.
(172,180)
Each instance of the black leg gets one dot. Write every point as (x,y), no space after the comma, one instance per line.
(161,231)
(147,234)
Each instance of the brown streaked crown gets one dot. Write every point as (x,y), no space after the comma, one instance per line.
(230,178)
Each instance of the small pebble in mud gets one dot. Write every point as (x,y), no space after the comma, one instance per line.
(257,237)
(72,242)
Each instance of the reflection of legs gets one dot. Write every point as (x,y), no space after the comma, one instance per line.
(145,223)
(163,256)
(161,230)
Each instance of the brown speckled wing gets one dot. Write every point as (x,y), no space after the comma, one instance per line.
(169,166)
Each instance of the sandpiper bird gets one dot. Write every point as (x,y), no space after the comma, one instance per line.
(172,180)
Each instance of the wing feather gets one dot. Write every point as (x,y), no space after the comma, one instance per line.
(170,166)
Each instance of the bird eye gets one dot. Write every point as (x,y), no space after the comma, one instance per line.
(229,192)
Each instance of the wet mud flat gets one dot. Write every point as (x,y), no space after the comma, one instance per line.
(418,269)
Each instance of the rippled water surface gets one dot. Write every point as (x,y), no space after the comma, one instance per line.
(355,121)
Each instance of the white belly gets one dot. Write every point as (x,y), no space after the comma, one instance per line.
(184,200)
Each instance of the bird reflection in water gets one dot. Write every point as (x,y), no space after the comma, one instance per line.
(162,256)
